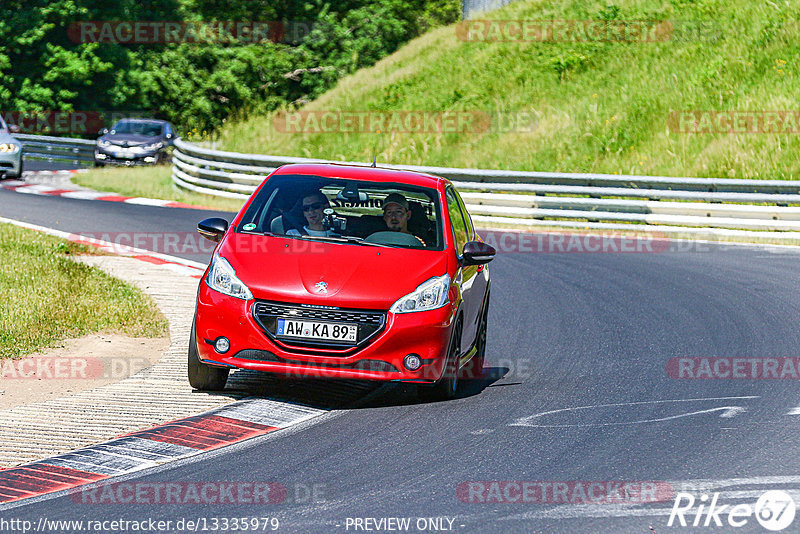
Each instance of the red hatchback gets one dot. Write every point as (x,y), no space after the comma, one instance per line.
(345,272)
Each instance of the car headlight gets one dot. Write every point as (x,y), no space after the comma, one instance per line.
(9,147)
(430,295)
(222,278)
(154,146)
(104,144)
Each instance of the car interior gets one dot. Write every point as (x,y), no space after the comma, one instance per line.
(282,211)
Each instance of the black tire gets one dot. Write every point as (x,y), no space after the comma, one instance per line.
(447,386)
(204,377)
(99,164)
(473,370)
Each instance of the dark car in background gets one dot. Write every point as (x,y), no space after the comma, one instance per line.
(135,142)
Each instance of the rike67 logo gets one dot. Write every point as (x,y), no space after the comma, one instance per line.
(774,510)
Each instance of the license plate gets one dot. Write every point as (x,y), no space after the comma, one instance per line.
(124,153)
(315,330)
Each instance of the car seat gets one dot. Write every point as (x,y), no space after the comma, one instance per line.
(419,224)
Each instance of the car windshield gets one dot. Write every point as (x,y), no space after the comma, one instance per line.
(348,211)
(149,129)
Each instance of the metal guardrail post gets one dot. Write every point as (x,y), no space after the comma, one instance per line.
(56,148)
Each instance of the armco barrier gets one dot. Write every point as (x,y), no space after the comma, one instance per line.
(57,148)
(746,208)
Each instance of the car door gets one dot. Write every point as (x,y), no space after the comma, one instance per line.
(480,283)
(465,276)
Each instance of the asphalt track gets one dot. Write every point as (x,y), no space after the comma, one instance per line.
(592,331)
(43,165)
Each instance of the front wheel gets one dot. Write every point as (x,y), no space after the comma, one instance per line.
(447,386)
(201,376)
(473,370)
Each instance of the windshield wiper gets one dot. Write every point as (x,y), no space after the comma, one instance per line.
(361,241)
(344,239)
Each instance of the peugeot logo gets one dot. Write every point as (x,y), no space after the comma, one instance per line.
(321,287)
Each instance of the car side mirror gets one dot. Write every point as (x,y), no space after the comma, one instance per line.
(478,253)
(13,128)
(212,228)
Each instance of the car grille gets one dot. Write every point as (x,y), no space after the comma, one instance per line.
(370,322)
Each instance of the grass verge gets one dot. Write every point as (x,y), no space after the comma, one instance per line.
(149,182)
(48,297)
(597,105)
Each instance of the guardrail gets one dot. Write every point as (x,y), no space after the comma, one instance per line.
(753,209)
(57,148)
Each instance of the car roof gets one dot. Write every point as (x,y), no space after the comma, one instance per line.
(153,121)
(363,172)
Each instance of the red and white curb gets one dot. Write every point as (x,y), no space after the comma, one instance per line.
(173,263)
(20,186)
(182,438)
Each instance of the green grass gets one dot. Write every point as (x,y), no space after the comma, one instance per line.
(47,297)
(149,182)
(600,107)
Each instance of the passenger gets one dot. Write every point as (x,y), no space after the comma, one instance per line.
(313,205)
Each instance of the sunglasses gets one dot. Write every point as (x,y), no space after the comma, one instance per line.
(314,206)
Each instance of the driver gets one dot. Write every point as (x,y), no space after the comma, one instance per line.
(313,204)
(396,214)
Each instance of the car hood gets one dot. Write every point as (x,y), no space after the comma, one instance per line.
(355,276)
(130,139)
(8,138)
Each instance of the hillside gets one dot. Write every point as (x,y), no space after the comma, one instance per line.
(601,106)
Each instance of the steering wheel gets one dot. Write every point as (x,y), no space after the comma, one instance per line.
(394,238)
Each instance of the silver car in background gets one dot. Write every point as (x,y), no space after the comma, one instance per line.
(10,153)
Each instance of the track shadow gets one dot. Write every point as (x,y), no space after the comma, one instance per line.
(330,394)
(325,394)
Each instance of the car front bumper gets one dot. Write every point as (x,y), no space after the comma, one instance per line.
(426,334)
(109,156)
(11,163)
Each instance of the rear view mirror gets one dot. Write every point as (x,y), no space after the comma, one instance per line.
(358,196)
(350,193)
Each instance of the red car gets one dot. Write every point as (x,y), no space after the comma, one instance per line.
(345,272)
